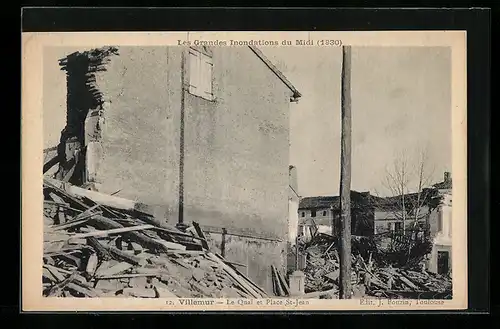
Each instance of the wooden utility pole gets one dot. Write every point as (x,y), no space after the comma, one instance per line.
(345,177)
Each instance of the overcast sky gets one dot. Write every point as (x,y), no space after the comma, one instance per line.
(401,99)
(401,102)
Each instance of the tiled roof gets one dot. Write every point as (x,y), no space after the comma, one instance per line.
(318,202)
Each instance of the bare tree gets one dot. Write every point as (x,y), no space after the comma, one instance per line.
(410,201)
(408,181)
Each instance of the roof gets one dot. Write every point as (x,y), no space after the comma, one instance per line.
(279,74)
(318,202)
(360,200)
(445,185)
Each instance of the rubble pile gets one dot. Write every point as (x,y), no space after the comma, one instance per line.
(370,275)
(92,249)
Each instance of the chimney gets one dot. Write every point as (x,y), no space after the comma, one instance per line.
(447,177)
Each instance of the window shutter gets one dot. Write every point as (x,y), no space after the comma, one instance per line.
(207,74)
(194,70)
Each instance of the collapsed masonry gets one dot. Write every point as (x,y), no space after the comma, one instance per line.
(79,142)
(96,245)
(375,273)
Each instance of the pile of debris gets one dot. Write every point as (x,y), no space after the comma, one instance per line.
(96,248)
(370,276)
(281,286)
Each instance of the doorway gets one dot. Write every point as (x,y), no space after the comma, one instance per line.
(443,262)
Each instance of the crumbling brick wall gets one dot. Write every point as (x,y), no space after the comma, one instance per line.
(83,97)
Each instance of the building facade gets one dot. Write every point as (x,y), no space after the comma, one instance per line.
(199,134)
(324,213)
(440,260)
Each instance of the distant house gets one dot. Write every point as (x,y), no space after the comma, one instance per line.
(440,258)
(324,213)
(428,212)
(198,133)
(418,214)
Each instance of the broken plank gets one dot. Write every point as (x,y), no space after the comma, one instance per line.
(61,216)
(58,186)
(234,263)
(417,284)
(82,290)
(317,294)
(115,269)
(139,292)
(280,291)
(92,264)
(79,219)
(104,233)
(51,277)
(97,197)
(106,224)
(57,199)
(200,233)
(57,289)
(51,163)
(101,251)
(119,254)
(71,171)
(171,245)
(407,282)
(55,272)
(128,275)
(162,292)
(255,286)
(283,282)
(237,278)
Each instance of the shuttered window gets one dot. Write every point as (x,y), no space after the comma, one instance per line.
(200,74)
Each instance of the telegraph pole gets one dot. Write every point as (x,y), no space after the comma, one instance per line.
(345,177)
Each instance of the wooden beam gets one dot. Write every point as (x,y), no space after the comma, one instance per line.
(100,198)
(103,233)
(51,163)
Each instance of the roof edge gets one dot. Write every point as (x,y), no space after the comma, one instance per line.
(296,94)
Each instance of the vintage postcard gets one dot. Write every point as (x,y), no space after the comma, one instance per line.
(252,171)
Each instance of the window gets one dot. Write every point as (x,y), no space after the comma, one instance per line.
(303,214)
(200,74)
(398,226)
(443,260)
(324,212)
(313,213)
(440,221)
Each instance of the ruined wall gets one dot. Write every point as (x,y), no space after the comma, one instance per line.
(258,255)
(140,137)
(237,147)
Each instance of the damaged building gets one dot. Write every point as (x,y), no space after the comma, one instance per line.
(192,134)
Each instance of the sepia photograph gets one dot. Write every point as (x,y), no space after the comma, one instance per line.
(288,170)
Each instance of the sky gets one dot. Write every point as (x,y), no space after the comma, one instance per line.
(401,102)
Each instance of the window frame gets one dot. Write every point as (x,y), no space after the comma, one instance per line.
(200,85)
(398,226)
